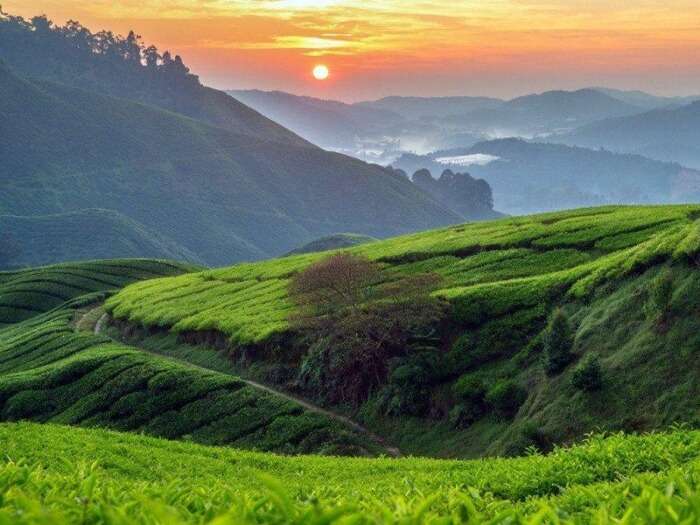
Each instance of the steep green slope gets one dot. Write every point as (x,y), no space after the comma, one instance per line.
(119,478)
(50,372)
(223,196)
(85,234)
(503,279)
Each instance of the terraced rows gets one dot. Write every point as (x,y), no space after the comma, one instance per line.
(51,373)
(489,269)
(26,293)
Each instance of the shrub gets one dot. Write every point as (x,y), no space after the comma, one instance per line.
(470,388)
(588,375)
(506,397)
(558,341)
(658,306)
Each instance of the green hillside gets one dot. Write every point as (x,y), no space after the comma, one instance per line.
(223,196)
(123,479)
(52,372)
(85,234)
(89,125)
(333,242)
(605,268)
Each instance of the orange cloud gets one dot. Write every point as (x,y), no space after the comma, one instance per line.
(393,44)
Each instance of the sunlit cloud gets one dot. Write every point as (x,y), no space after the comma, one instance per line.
(368,40)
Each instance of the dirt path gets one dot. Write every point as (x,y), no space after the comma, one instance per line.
(392,451)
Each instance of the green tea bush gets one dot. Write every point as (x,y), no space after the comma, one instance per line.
(588,374)
(506,396)
(130,479)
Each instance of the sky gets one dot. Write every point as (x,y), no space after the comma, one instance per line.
(376,48)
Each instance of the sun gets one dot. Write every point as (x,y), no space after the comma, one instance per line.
(321,72)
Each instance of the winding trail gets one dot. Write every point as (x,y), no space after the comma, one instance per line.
(391,451)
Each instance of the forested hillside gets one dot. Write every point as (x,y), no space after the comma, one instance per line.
(93,129)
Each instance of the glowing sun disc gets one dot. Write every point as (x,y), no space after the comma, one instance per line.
(321,72)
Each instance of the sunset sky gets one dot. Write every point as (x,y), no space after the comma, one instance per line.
(375,48)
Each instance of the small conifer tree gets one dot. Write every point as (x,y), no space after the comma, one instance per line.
(558,342)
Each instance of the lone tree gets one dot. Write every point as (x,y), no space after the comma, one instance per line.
(558,342)
(355,319)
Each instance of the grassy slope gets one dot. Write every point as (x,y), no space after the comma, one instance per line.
(85,234)
(502,278)
(73,149)
(51,373)
(120,478)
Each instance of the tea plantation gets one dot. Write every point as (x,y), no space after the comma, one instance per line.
(490,269)
(52,474)
(483,388)
(50,372)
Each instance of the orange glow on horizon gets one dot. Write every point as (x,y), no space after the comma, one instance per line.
(495,47)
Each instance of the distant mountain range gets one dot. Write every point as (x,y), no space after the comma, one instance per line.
(382,130)
(670,134)
(86,125)
(529,177)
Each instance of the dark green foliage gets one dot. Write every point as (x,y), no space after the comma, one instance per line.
(470,388)
(496,339)
(506,397)
(658,304)
(410,380)
(470,392)
(558,343)
(588,374)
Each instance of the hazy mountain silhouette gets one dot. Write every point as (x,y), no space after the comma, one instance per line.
(85,234)
(669,134)
(327,123)
(529,177)
(416,108)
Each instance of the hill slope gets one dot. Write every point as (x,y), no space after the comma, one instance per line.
(327,123)
(51,372)
(648,479)
(503,279)
(105,63)
(668,134)
(91,126)
(333,242)
(85,234)
(223,196)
